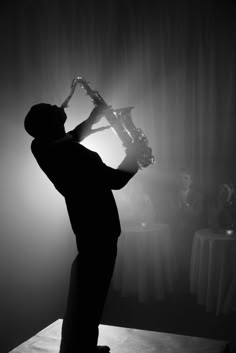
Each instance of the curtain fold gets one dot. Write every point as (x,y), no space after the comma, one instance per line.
(174,62)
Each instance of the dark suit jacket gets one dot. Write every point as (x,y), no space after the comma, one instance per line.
(191,215)
(80,175)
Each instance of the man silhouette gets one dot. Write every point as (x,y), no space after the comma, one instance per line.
(86,184)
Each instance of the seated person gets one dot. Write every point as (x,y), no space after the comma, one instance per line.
(222,208)
(187,213)
(135,205)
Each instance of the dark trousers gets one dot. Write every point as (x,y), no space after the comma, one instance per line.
(90,278)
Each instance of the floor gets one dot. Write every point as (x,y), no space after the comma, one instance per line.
(178,313)
(125,340)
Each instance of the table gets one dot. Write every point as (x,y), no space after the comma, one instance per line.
(213,270)
(145,267)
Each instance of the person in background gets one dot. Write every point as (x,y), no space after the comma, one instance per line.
(135,205)
(222,209)
(86,184)
(187,213)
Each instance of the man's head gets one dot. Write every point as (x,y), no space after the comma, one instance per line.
(45,121)
(225,192)
(185,179)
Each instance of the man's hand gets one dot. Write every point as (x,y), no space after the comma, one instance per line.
(97,113)
(84,129)
(135,150)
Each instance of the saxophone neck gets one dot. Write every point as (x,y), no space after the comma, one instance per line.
(73,87)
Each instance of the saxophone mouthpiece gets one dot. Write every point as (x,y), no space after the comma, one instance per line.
(80,80)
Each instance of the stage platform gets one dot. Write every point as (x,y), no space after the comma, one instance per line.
(125,340)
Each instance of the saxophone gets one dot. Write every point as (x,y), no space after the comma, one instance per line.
(120,121)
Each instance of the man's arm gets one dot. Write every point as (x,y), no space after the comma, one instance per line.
(84,129)
(118,178)
(115,178)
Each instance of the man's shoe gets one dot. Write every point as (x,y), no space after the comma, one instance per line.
(102,349)
(98,349)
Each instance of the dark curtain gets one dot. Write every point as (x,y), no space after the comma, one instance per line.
(174,61)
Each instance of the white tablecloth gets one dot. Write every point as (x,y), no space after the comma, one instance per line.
(213,270)
(145,262)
